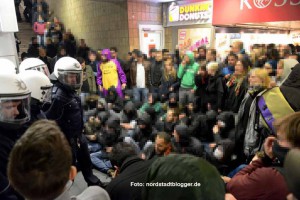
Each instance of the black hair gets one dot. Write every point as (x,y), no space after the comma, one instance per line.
(120,152)
(80,60)
(202,47)
(113,49)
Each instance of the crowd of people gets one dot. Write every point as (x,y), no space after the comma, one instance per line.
(231,125)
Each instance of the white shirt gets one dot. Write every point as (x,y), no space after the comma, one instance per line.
(140,76)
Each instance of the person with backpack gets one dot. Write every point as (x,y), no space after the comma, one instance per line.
(246,136)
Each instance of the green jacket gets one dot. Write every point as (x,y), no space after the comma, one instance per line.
(91,79)
(156,107)
(187,73)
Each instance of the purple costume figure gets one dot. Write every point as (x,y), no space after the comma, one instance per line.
(110,74)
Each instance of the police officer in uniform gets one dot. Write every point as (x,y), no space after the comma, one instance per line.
(66,110)
(14,115)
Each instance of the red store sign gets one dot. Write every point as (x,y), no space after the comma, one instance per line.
(251,11)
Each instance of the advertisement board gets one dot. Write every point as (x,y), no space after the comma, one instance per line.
(191,39)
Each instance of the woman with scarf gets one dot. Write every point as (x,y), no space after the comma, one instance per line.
(237,86)
(246,136)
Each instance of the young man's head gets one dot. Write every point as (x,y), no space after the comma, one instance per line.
(237,46)
(158,55)
(120,152)
(163,144)
(114,52)
(211,55)
(81,61)
(92,56)
(232,59)
(202,52)
(40,163)
(42,52)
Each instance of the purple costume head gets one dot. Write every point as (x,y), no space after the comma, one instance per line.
(106,53)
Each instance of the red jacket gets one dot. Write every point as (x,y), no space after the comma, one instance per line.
(258,182)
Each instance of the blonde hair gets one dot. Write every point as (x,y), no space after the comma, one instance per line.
(263,75)
(212,66)
(172,72)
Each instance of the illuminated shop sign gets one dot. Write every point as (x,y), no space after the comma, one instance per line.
(196,13)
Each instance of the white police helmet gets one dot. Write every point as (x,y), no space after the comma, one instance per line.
(68,71)
(34,64)
(14,101)
(38,84)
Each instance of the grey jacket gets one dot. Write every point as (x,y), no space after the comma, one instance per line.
(251,141)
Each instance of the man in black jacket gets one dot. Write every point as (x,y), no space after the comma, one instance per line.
(156,71)
(131,172)
(66,110)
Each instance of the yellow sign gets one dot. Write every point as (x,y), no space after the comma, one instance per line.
(201,12)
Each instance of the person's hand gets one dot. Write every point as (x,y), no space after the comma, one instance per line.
(229,196)
(226,179)
(171,89)
(115,173)
(183,63)
(254,158)
(212,145)
(123,86)
(216,129)
(91,137)
(192,91)
(268,144)
(219,110)
(100,88)
(227,76)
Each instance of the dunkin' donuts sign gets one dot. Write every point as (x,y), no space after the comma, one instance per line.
(195,13)
(255,11)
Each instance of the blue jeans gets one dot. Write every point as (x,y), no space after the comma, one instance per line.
(236,170)
(93,147)
(140,94)
(102,164)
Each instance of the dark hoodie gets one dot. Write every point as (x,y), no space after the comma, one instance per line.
(291,88)
(145,134)
(110,136)
(187,144)
(129,112)
(215,92)
(113,98)
(229,129)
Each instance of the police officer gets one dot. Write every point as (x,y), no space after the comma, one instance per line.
(34,64)
(40,87)
(14,114)
(66,110)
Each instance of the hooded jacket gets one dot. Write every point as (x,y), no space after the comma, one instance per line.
(188,144)
(146,134)
(291,88)
(187,73)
